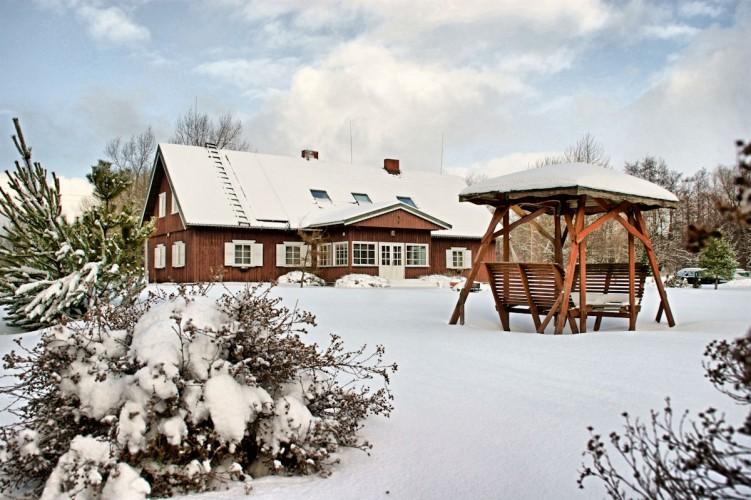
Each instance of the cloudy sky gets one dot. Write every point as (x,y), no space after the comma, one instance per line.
(503,82)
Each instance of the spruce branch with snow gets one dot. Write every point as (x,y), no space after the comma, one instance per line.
(51,268)
(186,393)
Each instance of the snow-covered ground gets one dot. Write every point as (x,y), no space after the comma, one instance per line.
(485,414)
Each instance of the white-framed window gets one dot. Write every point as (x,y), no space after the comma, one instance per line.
(341,253)
(162,204)
(363,253)
(407,200)
(320,195)
(173,204)
(160,256)
(325,257)
(361,198)
(293,254)
(417,255)
(458,258)
(178,254)
(243,253)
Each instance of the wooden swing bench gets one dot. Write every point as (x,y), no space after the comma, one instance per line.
(537,289)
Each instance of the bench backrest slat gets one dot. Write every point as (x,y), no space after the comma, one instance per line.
(544,283)
(612,278)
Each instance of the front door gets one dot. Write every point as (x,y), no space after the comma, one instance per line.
(391,261)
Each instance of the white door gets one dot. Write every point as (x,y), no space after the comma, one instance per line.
(391,261)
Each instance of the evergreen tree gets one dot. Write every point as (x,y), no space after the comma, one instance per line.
(50,268)
(718,259)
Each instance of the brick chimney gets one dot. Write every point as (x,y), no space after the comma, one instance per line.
(391,166)
(309,154)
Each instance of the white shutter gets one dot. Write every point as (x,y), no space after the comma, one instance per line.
(162,204)
(178,254)
(467,259)
(159,256)
(256,255)
(229,253)
(281,260)
(305,255)
(173,204)
(449,260)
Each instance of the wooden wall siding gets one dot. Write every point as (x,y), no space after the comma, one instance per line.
(398,219)
(204,253)
(438,247)
(170,222)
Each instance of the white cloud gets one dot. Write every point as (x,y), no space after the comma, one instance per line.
(109,24)
(397,107)
(700,9)
(257,77)
(75,193)
(668,31)
(698,107)
(112,24)
(502,165)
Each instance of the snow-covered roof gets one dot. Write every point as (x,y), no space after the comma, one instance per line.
(570,179)
(355,213)
(275,191)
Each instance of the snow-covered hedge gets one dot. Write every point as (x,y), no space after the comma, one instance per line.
(361,281)
(180,394)
(444,281)
(294,277)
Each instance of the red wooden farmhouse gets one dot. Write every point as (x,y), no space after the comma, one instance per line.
(239,215)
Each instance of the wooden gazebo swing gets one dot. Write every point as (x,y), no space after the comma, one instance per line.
(568,193)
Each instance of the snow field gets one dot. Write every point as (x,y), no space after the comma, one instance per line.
(486,414)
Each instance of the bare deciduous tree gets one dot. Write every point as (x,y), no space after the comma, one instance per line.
(587,150)
(196,129)
(134,156)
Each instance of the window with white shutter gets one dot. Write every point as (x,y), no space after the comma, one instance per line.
(178,254)
(162,204)
(243,253)
(458,258)
(160,256)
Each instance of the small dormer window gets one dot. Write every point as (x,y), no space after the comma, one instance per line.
(407,201)
(361,198)
(320,195)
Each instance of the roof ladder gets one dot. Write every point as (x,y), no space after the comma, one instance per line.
(229,189)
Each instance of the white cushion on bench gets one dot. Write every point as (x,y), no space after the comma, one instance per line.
(602,299)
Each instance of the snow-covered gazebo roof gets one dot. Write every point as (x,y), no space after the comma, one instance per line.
(569,181)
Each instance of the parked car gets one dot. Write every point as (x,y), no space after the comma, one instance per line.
(697,276)
(741,273)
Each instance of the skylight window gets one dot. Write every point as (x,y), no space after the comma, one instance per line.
(361,198)
(320,195)
(407,201)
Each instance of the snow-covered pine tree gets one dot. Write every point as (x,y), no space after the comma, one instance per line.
(51,268)
(718,259)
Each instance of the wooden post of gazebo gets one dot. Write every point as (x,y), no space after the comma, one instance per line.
(575,191)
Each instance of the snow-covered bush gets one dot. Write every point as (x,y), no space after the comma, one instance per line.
(183,393)
(444,281)
(294,277)
(361,281)
(674,281)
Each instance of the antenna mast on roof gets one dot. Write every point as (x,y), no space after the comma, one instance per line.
(441,153)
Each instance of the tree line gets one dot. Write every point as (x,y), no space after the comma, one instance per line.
(700,195)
